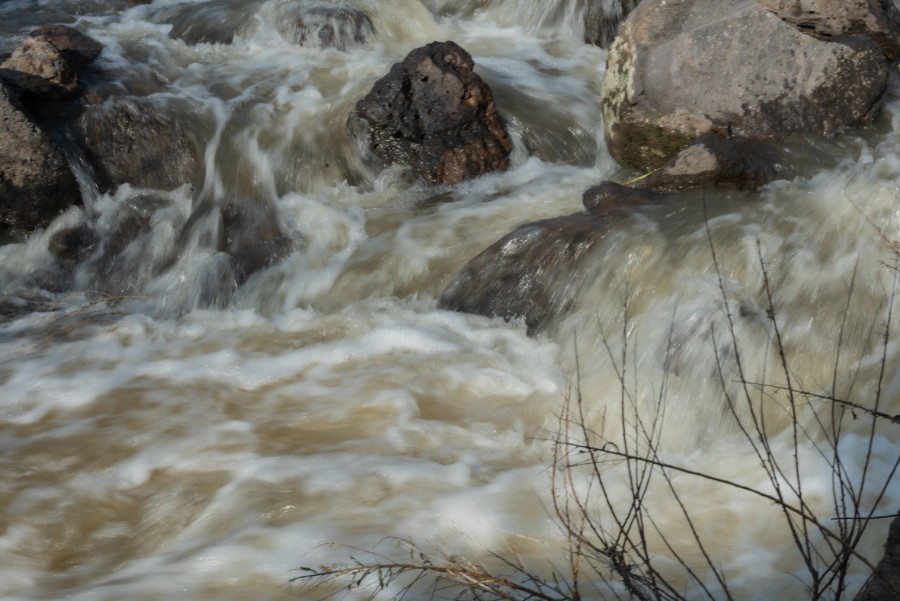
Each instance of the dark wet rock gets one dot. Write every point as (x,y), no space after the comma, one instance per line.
(72,245)
(878,19)
(128,141)
(680,70)
(712,161)
(884,584)
(432,113)
(48,60)
(602,19)
(324,25)
(608,197)
(531,273)
(36,183)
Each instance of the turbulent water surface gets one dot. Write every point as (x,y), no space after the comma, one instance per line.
(169,430)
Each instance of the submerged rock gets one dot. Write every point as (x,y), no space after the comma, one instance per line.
(48,60)
(432,113)
(127,141)
(324,25)
(211,22)
(36,183)
(680,70)
(602,19)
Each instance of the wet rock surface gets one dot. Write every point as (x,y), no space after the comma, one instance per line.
(212,22)
(36,183)
(128,141)
(680,70)
(433,114)
(884,584)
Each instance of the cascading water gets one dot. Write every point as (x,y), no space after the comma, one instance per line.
(253,365)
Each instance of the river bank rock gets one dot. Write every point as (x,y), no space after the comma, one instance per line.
(680,70)
(48,60)
(602,19)
(432,113)
(884,584)
(129,141)
(324,25)
(36,183)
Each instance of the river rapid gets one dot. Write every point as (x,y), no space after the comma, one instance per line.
(170,432)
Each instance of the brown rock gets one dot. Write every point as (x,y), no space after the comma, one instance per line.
(432,113)
(48,59)
(602,19)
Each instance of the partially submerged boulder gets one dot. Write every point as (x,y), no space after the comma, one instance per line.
(48,60)
(211,22)
(324,25)
(36,183)
(680,70)
(432,113)
(129,141)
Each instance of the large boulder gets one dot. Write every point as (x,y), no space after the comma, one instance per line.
(432,113)
(679,70)
(36,183)
(135,142)
(48,60)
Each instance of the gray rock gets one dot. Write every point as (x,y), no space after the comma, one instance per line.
(878,19)
(48,60)
(884,584)
(678,70)
(128,141)
(432,113)
(36,183)
(211,22)
(602,19)
(608,197)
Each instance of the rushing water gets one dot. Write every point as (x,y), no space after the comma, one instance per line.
(168,431)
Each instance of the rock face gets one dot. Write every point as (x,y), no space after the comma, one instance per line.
(885,583)
(602,19)
(48,59)
(127,141)
(36,183)
(680,70)
(325,25)
(432,113)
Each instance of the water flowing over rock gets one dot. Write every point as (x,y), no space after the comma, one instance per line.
(324,25)
(127,141)
(212,22)
(602,19)
(432,113)
(48,60)
(36,183)
(680,70)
